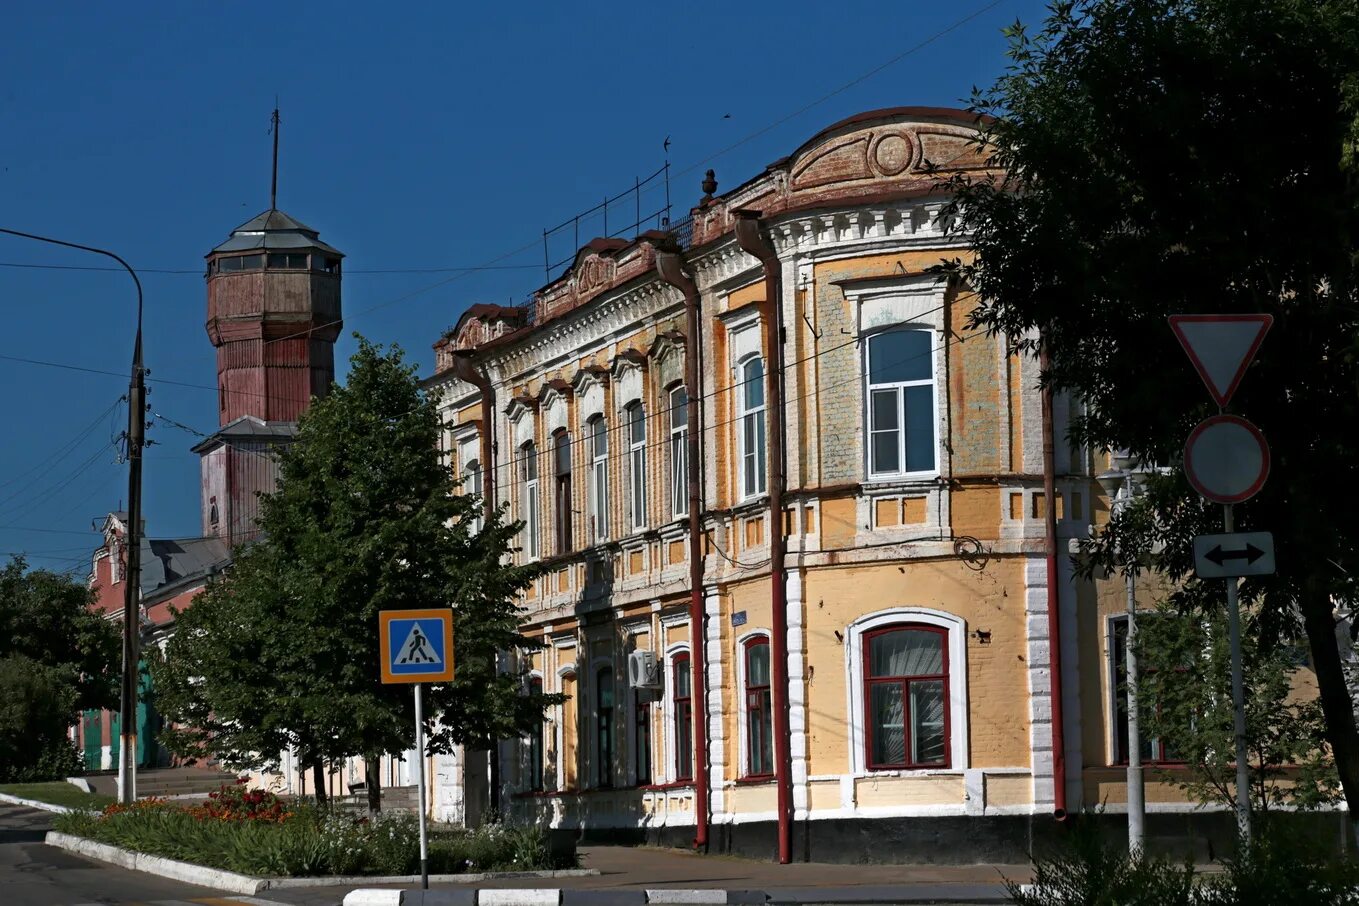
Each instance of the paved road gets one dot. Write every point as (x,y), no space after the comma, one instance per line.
(34,874)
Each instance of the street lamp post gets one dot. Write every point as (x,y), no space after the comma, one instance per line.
(136,435)
(1120,485)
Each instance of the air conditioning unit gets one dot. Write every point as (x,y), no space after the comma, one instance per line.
(644,672)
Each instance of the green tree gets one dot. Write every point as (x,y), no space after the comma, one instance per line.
(1186,676)
(57,657)
(365,518)
(1163,156)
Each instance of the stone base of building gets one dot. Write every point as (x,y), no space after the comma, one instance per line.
(966,840)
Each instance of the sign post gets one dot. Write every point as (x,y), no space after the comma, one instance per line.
(1227,461)
(417,647)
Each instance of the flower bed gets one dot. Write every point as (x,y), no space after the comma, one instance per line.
(255,833)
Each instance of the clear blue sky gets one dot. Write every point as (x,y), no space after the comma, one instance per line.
(421,136)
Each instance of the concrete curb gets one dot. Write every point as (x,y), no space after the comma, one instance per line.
(33,803)
(922,894)
(236,883)
(158,865)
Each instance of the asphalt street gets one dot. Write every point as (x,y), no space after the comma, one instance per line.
(34,874)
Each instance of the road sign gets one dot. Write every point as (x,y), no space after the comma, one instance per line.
(416,645)
(1226,459)
(1236,554)
(1221,346)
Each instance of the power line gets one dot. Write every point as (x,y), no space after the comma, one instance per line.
(198,272)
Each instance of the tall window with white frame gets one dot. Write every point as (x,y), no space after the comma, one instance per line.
(535,765)
(598,430)
(528,471)
(641,750)
(906,697)
(637,465)
(752,428)
(604,724)
(679,451)
(900,401)
(759,709)
(471,485)
(561,489)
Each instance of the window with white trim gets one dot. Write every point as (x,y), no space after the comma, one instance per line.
(637,465)
(679,451)
(471,485)
(598,432)
(528,502)
(535,765)
(752,429)
(561,484)
(900,399)
(604,727)
(759,708)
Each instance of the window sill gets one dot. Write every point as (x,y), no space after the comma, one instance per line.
(755,780)
(911,481)
(921,771)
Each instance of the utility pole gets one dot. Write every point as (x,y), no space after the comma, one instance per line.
(136,435)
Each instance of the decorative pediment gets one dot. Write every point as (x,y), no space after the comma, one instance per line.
(520,404)
(553,398)
(666,341)
(627,376)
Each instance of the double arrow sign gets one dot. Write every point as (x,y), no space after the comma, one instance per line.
(1237,554)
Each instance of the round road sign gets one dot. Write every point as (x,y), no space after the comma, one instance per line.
(1226,459)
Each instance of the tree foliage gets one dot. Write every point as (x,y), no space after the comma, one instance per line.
(57,656)
(1185,679)
(1165,156)
(283,650)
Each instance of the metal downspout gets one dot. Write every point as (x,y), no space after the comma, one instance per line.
(1054,597)
(752,238)
(670,267)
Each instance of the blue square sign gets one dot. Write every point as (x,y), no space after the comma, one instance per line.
(417,646)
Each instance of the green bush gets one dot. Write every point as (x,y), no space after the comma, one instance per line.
(1274,868)
(310,842)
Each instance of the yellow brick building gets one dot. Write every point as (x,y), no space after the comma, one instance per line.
(913,657)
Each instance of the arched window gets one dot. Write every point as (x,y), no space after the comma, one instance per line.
(900,402)
(528,472)
(759,711)
(679,451)
(561,444)
(682,707)
(753,432)
(637,465)
(471,485)
(599,478)
(535,766)
(604,725)
(906,696)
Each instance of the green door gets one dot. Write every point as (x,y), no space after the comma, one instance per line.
(92,730)
(115,738)
(147,722)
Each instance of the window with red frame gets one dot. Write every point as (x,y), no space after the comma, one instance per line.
(759,710)
(682,701)
(906,697)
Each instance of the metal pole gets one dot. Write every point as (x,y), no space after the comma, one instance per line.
(1238,696)
(1136,801)
(136,435)
(420,780)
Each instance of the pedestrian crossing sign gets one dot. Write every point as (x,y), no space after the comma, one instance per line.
(416,645)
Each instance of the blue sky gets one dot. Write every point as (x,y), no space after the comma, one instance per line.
(414,137)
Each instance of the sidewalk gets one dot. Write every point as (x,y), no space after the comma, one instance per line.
(639,868)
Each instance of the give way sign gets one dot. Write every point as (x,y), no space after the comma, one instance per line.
(1221,347)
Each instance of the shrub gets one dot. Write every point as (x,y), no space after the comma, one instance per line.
(1086,872)
(240,830)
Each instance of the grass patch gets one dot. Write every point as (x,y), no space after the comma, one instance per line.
(56,792)
(309,842)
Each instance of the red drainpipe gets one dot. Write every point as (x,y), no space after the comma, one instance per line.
(670,267)
(1054,598)
(751,237)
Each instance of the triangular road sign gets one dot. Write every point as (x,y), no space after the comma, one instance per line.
(1221,346)
(419,649)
